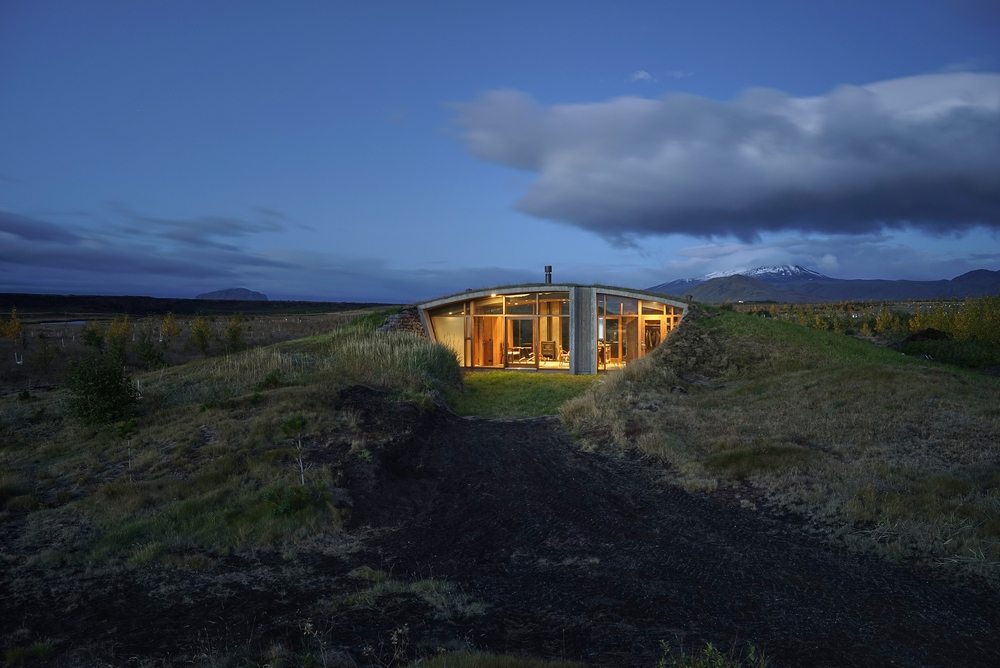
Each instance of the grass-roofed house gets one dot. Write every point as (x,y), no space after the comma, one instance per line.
(578,328)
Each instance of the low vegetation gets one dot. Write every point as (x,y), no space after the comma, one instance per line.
(174,465)
(710,656)
(963,332)
(517,395)
(877,449)
(39,350)
(149,463)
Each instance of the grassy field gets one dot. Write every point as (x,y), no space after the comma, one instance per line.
(514,394)
(251,453)
(879,450)
(968,330)
(47,345)
(220,453)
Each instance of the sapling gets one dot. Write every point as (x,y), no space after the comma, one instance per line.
(126,430)
(293,427)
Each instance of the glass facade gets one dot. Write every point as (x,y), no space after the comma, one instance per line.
(525,330)
(533,330)
(628,329)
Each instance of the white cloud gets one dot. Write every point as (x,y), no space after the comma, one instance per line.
(641,75)
(920,152)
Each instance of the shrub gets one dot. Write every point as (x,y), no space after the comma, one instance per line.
(12,328)
(293,499)
(117,336)
(147,348)
(93,335)
(201,334)
(169,329)
(100,390)
(234,335)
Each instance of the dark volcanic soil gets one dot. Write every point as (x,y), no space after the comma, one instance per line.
(590,556)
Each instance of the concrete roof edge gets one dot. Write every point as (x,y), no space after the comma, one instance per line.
(547,287)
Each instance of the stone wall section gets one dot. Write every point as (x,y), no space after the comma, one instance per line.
(407,320)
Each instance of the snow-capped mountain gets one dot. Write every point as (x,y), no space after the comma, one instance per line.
(764,273)
(774,273)
(782,271)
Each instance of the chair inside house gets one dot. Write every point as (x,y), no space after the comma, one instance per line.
(548,350)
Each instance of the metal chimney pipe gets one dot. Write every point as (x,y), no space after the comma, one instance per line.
(548,273)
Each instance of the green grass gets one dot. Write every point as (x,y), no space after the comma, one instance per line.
(742,462)
(972,354)
(36,654)
(444,599)
(880,450)
(515,394)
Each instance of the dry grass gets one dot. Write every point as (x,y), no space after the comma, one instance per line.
(882,451)
(211,462)
(445,599)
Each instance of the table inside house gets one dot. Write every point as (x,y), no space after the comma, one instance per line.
(515,353)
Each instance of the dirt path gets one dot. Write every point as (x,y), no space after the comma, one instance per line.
(588,556)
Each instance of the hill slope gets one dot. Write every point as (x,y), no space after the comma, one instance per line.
(234,294)
(886,452)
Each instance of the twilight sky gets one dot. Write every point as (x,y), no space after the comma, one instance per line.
(394,151)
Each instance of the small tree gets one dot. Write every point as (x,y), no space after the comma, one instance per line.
(13,328)
(887,322)
(293,428)
(201,334)
(93,335)
(169,329)
(146,347)
(117,336)
(100,390)
(234,335)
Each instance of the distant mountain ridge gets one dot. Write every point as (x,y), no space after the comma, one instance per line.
(234,294)
(794,283)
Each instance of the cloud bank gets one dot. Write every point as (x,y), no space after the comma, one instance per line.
(920,152)
(124,251)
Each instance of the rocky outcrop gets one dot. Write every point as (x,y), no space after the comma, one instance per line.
(407,320)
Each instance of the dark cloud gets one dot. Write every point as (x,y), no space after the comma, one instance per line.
(921,152)
(198,231)
(147,254)
(136,253)
(33,229)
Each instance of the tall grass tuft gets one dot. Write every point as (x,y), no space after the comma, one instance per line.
(391,360)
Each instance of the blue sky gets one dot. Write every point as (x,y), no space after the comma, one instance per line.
(396,151)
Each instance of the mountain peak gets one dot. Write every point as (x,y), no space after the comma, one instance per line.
(771,271)
(784,271)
